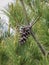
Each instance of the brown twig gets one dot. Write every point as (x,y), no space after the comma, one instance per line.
(38,43)
(25,12)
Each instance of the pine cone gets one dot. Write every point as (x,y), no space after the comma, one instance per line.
(24,32)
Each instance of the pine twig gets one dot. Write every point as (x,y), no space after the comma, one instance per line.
(35,20)
(38,43)
(25,13)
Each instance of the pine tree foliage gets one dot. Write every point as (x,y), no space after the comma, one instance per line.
(11,52)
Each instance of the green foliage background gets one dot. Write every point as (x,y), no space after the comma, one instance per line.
(11,53)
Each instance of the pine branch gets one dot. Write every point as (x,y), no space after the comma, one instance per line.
(35,20)
(38,43)
(32,33)
(26,17)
